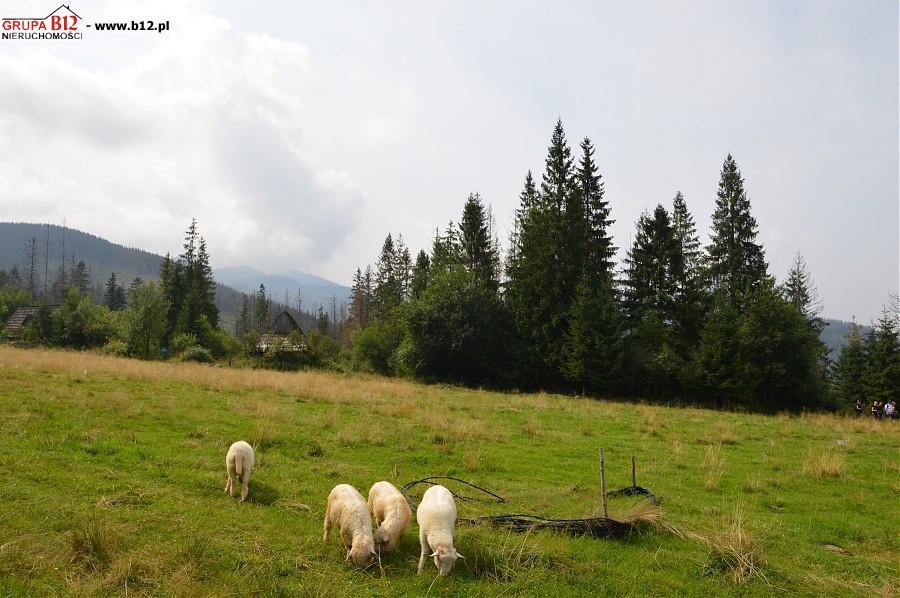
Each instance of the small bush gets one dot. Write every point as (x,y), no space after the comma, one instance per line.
(116,347)
(182,342)
(197,354)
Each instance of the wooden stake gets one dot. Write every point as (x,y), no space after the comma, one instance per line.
(603,485)
(633,475)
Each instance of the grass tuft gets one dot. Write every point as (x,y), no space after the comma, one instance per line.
(714,466)
(91,544)
(734,551)
(828,464)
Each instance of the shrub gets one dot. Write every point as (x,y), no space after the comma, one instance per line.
(182,342)
(197,354)
(116,347)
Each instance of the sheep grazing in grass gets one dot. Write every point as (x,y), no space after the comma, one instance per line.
(391,513)
(239,462)
(347,509)
(436,516)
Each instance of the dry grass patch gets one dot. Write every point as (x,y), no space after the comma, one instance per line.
(714,466)
(471,461)
(828,464)
(734,551)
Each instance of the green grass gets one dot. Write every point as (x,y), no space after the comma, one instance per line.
(114,475)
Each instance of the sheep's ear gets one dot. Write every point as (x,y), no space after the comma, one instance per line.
(347,558)
(434,553)
(459,556)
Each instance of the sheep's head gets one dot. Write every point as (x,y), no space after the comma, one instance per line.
(362,554)
(384,541)
(445,558)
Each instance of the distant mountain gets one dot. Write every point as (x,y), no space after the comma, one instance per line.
(314,290)
(835,335)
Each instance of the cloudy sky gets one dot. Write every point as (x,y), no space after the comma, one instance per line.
(300,133)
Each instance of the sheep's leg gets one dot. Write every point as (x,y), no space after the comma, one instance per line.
(245,484)
(229,485)
(327,525)
(425,551)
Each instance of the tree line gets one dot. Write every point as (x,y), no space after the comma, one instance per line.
(675,320)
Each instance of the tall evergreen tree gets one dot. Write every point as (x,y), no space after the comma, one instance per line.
(479,254)
(262,309)
(402,268)
(527,200)
(881,376)
(687,273)
(599,244)
(388,289)
(800,291)
(651,268)
(420,274)
(114,295)
(446,251)
(593,347)
(243,323)
(847,381)
(736,262)
(81,278)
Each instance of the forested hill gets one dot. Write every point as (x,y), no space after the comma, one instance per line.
(102,256)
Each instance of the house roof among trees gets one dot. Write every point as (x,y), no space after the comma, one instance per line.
(19,319)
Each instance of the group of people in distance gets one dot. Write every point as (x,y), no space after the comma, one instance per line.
(879,409)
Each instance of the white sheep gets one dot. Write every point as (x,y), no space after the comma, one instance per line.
(239,462)
(347,509)
(391,513)
(436,516)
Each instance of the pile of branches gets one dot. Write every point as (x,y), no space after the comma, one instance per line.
(597,527)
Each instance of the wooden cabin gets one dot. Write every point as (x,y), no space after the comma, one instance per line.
(22,317)
(278,337)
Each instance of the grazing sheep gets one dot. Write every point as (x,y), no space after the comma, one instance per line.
(239,461)
(391,513)
(436,516)
(347,509)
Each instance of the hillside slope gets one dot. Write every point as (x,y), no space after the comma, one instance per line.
(113,478)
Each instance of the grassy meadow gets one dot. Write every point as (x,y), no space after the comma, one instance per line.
(113,477)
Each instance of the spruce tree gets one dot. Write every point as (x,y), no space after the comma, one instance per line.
(402,269)
(243,324)
(800,291)
(736,262)
(262,309)
(420,275)
(593,347)
(479,255)
(650,284)
(445,250)
(881,376)
(388,289)
(114,295)
(848,372)
(81,278)
(599,243)
(687,273)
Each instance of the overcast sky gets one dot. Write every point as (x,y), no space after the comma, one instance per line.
(300,133)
